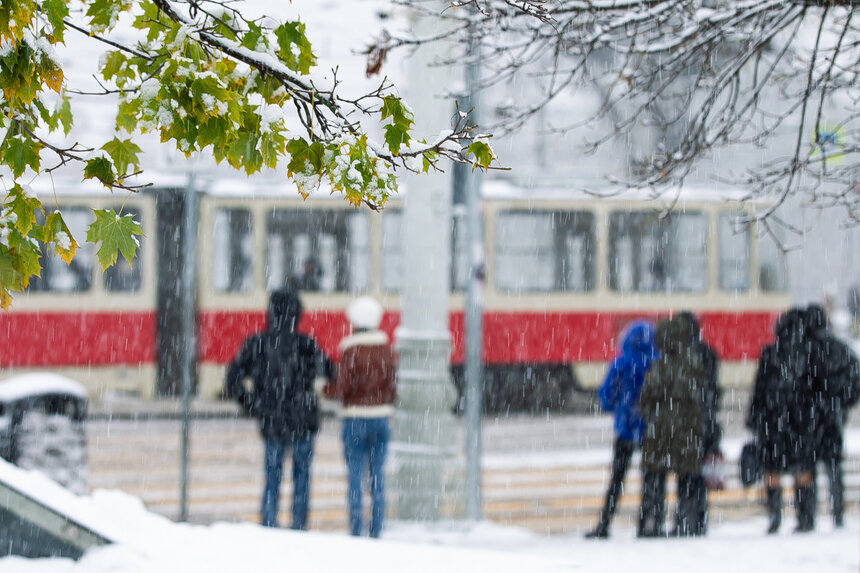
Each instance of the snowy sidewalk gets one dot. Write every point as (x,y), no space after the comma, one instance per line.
(546,473)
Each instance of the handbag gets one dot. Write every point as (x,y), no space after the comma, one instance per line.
(750,465)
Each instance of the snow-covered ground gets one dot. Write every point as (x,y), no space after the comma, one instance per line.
(146,542)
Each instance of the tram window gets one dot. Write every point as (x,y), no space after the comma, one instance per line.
(57,276)
(232,251)
(734,246)
(544,251)
(650,253)
(317,250)
(392,255)
(122,277)
(772,275)
(392,262)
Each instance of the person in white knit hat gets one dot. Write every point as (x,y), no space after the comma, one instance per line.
(366,385)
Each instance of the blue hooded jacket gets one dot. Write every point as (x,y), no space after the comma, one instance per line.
(620,390)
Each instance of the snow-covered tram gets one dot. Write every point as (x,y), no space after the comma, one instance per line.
(565,272)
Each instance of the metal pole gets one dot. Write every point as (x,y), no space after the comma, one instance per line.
(189,333)
(474,304)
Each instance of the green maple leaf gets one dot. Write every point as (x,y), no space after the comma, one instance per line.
(56,10)
(252,37)
(9,276)
(482,154)
(19,152)
(103,13)
(116,233)
(64,114)
(271,148)
(26,258)
(24,208)
(395,135)
(303,153)
(291,35)
(243,152)
(394,108)
(114,67)
(124,153)
(100,168)
(51,231)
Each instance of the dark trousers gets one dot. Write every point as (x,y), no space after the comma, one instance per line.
(652,512)
(621,455)
(688,515)
(830,454)
(691,518)
(275,451)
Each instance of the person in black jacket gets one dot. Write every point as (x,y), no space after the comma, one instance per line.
(282,365)
(836,373)
(710,395)
(782,418)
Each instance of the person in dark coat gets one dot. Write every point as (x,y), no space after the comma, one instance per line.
(671,408)
(619,393)
(783,420)
(282,365)
(710,396)
(836,373)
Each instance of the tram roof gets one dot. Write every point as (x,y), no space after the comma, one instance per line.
(272,185)
(497,189)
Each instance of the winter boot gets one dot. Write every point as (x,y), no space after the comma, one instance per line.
(652,514)
(599,532)
(804,499)
(837,494)
(774,508)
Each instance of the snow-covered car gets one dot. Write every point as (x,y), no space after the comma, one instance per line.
(42,419)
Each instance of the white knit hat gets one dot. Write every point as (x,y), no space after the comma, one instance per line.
(365,312)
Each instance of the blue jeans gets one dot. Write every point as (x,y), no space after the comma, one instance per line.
(303,452)
(365,445)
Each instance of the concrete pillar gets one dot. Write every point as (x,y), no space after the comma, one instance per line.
(424,441)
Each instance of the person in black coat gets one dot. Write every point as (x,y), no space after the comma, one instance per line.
(836,373)
(282,365)
(783,421)
(710,396)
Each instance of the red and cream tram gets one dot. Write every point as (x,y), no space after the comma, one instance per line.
(564,273)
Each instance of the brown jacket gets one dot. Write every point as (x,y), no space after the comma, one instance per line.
(366,377)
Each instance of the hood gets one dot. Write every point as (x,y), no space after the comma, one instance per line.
(285,310)
(638,338)
(790,324)
(673,335)
(816,319)
(691,324)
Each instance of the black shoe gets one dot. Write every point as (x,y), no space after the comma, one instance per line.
(774,509)
(805,501)
(597,533)
(838,521)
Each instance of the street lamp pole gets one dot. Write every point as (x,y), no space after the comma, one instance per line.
(474,372)
(189,333)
